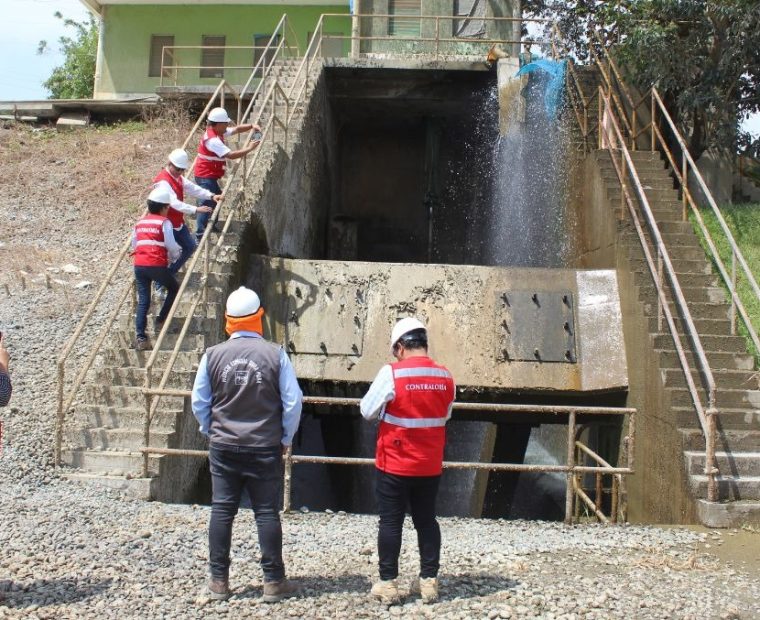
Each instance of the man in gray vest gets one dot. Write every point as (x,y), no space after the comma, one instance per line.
(247,401)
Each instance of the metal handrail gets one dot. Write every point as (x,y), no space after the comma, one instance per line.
(706,415)
(572,468)
(653,98)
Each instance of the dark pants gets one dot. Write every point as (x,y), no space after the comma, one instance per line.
(394,493)
(143,277)
(185,240)
(201,220)
(259,472)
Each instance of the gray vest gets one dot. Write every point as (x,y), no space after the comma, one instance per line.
(246,408)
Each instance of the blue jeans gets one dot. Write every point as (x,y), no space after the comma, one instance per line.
(394,493)
(185,240)
(202,219)
(143,277)
(259,472)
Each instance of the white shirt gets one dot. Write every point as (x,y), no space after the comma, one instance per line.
(217,147)
(381,392)
(191,189)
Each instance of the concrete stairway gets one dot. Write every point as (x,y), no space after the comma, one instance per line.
(105,430)
(738,399)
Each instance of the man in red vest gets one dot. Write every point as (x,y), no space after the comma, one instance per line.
(412,398)
(153,250)
(171,178)
(213,153)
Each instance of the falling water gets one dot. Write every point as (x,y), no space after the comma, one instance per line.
(527,207)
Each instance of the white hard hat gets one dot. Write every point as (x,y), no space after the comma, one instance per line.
(179,158)
(160,194)
(219,115)
(242,302)
(404,326)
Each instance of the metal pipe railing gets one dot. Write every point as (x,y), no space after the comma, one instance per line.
(626,170)
(572,469)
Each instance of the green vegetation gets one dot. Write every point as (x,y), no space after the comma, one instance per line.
(744,222)
(75,78)
(701,54)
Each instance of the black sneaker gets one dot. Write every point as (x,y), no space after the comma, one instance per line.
(158,326)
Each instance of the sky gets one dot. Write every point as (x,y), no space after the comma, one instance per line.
(26,22)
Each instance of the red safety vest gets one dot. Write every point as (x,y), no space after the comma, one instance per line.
(150,248)
(412,430)
(209,166)
(177,218)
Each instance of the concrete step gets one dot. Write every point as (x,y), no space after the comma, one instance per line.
(720,344)
(642,167)
(635,251)
(123,357)
(90,415)
(724,379)
(191,342)
(614,193)
(674,241)
(133,376)
(728,514)
(115,463)
(697,310)
(199,324)
(731,361)
(728,440)
(700,294)
(734,463)
(705,327)
(726,398)
(729,418)
(649,181)
(686,280)
(681,265)
(125,396)
(138,488)
(122,439)
(730,488)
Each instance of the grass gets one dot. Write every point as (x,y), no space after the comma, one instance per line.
(744,222)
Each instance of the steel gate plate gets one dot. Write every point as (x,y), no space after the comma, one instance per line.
(536,326)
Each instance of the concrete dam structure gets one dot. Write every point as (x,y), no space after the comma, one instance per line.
(392,185)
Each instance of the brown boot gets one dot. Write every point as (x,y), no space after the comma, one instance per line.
(275,591)
(219,589)
(386,591)
(427,588)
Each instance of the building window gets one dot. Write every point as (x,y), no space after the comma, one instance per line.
(212,60)
(404,20)
(259,43)
(157,44)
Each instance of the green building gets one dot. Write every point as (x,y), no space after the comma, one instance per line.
(147,44)
(199,41)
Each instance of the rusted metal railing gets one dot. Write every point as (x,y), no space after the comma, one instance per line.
(663,274)
(630,112)
(573,467)
(65,400)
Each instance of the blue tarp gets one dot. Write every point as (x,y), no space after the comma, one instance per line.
(556,71)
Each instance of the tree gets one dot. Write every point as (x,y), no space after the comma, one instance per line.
(75,78)
(703,56)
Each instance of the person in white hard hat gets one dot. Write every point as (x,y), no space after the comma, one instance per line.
(153,250)
(412,398)
(213,153)
(171,178)
(247,402)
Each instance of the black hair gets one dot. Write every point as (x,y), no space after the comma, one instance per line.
(156,207)
(415,339)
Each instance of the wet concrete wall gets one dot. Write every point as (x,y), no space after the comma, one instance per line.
(657,492)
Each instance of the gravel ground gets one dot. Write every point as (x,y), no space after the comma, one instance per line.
(71,551)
